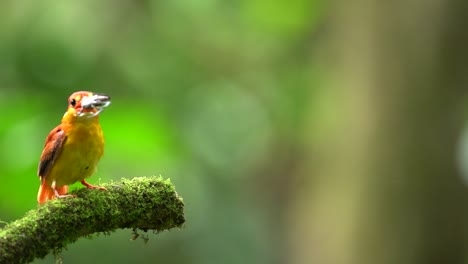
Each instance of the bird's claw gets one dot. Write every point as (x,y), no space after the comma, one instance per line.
(60,196)
(90,186)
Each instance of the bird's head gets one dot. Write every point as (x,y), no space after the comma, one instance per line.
(84,105)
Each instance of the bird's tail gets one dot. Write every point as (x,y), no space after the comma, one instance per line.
(47,193)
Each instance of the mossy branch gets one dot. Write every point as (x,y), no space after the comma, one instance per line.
(141,203)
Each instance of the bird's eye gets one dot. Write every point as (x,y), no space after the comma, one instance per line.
(73,102)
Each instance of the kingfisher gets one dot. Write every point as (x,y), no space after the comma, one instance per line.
(73,149)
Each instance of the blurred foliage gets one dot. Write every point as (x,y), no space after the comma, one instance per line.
(209,93)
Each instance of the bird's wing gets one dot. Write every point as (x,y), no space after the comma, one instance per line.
(52,149)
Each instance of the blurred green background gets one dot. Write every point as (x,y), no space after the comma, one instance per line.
(296,131)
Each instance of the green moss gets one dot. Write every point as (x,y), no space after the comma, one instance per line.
(145,203)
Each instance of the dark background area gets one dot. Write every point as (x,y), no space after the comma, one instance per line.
(296,131)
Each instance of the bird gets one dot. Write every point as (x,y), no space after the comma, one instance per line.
(73,149)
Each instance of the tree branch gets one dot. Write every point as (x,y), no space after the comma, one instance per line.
(141,203)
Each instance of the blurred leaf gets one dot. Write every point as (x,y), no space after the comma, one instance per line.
(283,16)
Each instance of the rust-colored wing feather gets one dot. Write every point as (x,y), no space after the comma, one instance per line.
(52,149)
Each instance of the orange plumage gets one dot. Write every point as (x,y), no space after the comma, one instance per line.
(73,149)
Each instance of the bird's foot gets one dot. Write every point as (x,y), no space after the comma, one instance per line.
(60,196)
(61,192)
(90,186)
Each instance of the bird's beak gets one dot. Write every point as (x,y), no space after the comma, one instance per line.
(96,102)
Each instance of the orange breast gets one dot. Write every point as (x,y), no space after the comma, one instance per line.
(81,152)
